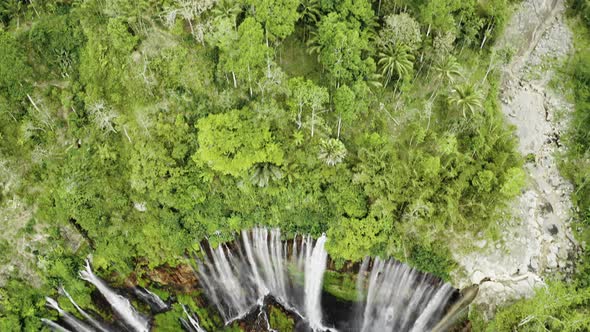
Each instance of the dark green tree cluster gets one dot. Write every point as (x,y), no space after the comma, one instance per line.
(556,307)
(147,126)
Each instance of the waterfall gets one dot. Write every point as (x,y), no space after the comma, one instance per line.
(121,306)
(315,266)
(89,318)
(392,295)
(69,319)
(192,325)
(154,301)
(400,298)
(236,281)
(245,279)
(54,326)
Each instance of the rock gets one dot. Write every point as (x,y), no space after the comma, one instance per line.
(538,234)
(477,277)
(481,244)
(495,287)
(551,261)
(547,208)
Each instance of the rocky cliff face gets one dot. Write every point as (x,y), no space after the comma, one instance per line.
(537,239)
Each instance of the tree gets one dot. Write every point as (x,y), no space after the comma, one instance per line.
(332,151)
(231,143)
(103,116)
(247,58)
(228,9)
(401,29)
(263,173)
(309,11)
(438,14)
(345,106)
(306,97)
(448,70)
(466,98)
(352,239)
(358,12)
(443,44)
(105,60)
(396,61)
(12,9)
(278,16)
(298,99)
(14,71)
(190,10)
(341,49)
(556,307)
(318,96)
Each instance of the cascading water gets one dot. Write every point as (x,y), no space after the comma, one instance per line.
(236,283)
(71,320)
(315,266)
(54,326)
(120,305)
(244,279)
(156,304)
(400,298)
(95,323)
(192,324)
(392,296)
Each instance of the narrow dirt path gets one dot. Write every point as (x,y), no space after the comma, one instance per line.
(537,240)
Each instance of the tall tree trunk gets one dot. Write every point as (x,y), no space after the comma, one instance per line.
(249,81)
(190,23)
(299,122)
(485,35)
(340,124)
(488,70)
(312,121)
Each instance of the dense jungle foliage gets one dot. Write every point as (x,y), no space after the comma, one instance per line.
(132,130)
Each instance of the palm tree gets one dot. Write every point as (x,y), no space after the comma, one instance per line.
(264,172)
(396,61)
(466,98)
(227,9)
(310,12)
(313,44)
(12,9)
(448,70)
(332,151)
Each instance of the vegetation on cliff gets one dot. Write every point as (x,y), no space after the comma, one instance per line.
(130,131)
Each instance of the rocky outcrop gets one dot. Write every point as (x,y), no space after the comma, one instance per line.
(537,239)
(182,277)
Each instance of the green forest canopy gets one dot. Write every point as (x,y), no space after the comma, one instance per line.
(146,126)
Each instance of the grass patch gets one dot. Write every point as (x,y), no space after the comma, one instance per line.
(341,285)
(293,57)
